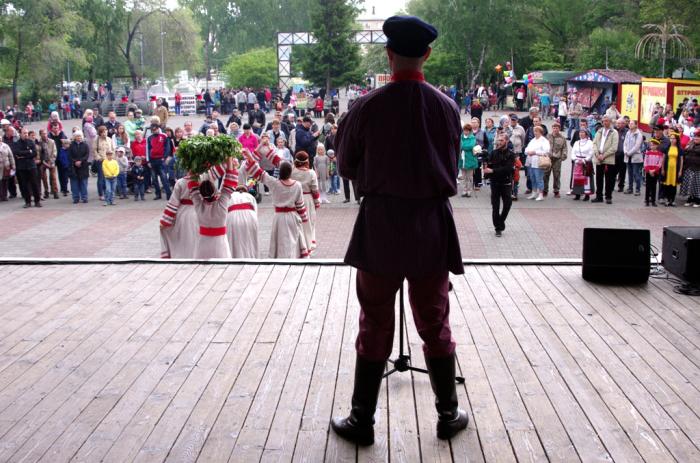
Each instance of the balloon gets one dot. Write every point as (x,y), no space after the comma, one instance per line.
(509,80)
(512,74)
(506,74)
(498,68)
(525,81)
(529,85)
(524,76)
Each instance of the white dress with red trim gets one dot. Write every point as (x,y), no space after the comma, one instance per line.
(242,226)
(309,185)
(287,239)
(180,226)
(211,243)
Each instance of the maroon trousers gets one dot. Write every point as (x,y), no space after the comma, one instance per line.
(431,314)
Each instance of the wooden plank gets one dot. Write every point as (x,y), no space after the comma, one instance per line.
(524,439)
(548,332)
(676,370)
(240,390)
(253,439)
(336,448)
(403,427)
(514,302)
(49,305)
(155,353)
(638,362)
(202,299)
(42,399)
(56,346)
(549,430)
(486,418)
(606,374)
(432,449)
(196,429)
(624,373)
(665,287)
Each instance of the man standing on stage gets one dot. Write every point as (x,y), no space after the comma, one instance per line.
(405,228)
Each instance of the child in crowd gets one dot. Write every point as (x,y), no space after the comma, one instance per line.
(321,167)
(653,161)
(333,173)
(516,177)
(123,162)
(139,173)
(110,170)
(282,150)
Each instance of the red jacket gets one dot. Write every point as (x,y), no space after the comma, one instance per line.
(138,148)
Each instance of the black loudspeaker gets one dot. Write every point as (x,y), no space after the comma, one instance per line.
(616,256)
(681,253)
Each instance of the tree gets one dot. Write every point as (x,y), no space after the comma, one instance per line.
(255,68)
(442,67)
(35,33)
(545,57)
(335,59)
(664,40)
(374,60)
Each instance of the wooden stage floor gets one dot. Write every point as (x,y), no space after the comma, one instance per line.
(242,363)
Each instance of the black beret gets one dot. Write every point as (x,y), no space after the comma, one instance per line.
(408,35)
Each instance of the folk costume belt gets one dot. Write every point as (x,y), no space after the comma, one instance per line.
(241,207)
(186,202)
(282,210)
(212,231)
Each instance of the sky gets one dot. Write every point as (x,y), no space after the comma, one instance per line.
(383,8)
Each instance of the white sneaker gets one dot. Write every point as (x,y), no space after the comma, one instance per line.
(540,197)
(696,205)
(532,196)
(688,204)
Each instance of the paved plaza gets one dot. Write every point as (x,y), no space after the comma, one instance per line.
(546,229)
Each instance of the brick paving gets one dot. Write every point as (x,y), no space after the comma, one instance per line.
(547,229)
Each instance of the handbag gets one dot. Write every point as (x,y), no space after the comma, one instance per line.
(544,162)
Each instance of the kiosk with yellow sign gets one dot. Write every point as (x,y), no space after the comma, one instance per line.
(663,91)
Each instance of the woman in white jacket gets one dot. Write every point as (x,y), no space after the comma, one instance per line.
(538,148)
(634,158)
(582,174)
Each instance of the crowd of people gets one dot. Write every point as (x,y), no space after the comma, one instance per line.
(137,157)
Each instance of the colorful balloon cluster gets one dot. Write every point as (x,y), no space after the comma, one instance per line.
(508,73)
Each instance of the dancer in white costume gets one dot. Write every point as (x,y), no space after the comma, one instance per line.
(287,238)
(179,228)
(309,185)
(242,225)
(212,212)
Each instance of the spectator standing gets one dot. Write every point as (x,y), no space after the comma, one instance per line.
(48,154)
(605,146)
(558,154)
(27,160)
(158,149)
(78,154)
(7,169)
(634,159)
(691,172)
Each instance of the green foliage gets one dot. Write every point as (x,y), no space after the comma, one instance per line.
(374,60)
(619,46)
(199,153)
(256,68)
(441,68)
(546,57)
(335,59)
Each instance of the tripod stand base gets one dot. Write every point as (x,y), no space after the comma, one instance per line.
(403,363)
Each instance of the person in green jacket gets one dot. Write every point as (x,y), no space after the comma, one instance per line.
(467,160)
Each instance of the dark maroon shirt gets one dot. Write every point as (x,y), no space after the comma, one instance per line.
(401,143)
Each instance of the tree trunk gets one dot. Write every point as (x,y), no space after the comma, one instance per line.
(208,58)
(15,76)
(328,82)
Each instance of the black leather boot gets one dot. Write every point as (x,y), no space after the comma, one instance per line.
(451,419)
(359,426)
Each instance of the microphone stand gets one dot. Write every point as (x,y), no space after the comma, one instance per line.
(403,361)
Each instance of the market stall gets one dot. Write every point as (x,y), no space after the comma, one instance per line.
(593,87)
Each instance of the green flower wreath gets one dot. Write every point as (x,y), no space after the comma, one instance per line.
(199,153)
